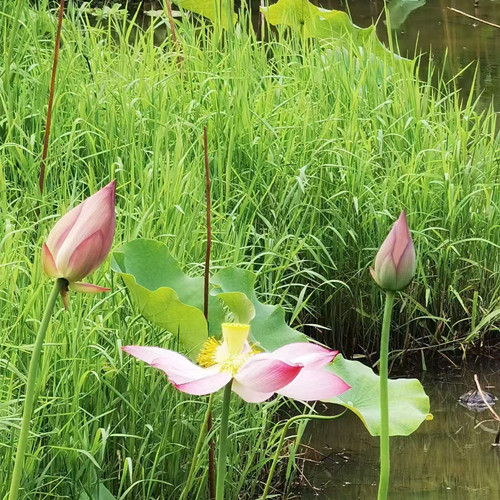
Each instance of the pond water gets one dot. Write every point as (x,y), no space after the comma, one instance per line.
(453,40)
(450,457)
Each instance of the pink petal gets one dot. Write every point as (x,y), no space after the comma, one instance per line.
(386,273)
(175,365)
(406,268)
(61,229)
(313,384)
(402,237)
(263,373)
(385,250)
(96,214)
(184,375)
(48,264)
(147,353)
(205,385)
(84,260)
(249,395)
(78,286)
(305,353)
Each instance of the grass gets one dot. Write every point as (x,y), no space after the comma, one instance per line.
(314,151)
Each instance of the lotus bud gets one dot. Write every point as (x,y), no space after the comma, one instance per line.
(80,241)
(395,263)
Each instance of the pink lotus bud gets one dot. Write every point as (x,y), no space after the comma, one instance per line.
(81,240)
(395,263)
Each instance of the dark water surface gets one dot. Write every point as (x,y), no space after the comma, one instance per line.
(450,457)
(454,40)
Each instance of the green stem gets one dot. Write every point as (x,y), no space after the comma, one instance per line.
(221,463)
(194,463)
(282,439)
(30,390)
(385,458)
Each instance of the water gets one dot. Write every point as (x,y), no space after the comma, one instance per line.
(454,40)
(448,458)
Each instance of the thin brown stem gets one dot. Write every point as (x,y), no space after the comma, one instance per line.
(41,178)
(168,8)
(209,227)
(211,446)
(474,17)
(481,393)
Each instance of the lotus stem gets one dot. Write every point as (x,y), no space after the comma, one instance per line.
(385,458)
(223,442)
(29,398)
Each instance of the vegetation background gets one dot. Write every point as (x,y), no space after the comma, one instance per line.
(315,148)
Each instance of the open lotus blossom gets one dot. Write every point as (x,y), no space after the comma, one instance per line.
(81,240)
(296,370)
(395,262)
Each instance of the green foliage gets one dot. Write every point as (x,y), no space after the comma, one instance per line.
(164,295)
(399,10)
(268,327)
(312,150)
(311,21)
(99,493)
(170,299)
(408,403)
(215,10)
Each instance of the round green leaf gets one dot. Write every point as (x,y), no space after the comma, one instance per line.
(164,295)
(408,403)
(268,327)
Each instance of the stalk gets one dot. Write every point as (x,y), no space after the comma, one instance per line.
(57,43)
(194,463)
(223,442)
(385,459)
(29,398)
(282,439)
(206,286)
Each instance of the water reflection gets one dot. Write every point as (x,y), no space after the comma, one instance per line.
(450,457)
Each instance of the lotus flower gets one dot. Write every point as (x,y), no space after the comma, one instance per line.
(395,262)
(81,240)
(295,370)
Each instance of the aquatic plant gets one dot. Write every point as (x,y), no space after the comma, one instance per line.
(299,203)
(393,270)
(81,240)
(295,370)
(76,246)
(395,262)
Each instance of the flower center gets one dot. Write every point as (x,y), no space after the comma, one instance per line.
(235,336)
(232,353)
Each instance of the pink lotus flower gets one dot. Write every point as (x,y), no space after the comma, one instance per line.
(295,370)
(395,263)
(81,240)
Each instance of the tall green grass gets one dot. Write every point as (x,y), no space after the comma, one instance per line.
(314,151)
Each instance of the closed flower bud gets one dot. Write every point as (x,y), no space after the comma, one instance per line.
(81,240)
(395,262)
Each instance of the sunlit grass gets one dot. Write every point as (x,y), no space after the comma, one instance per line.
(314,151)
